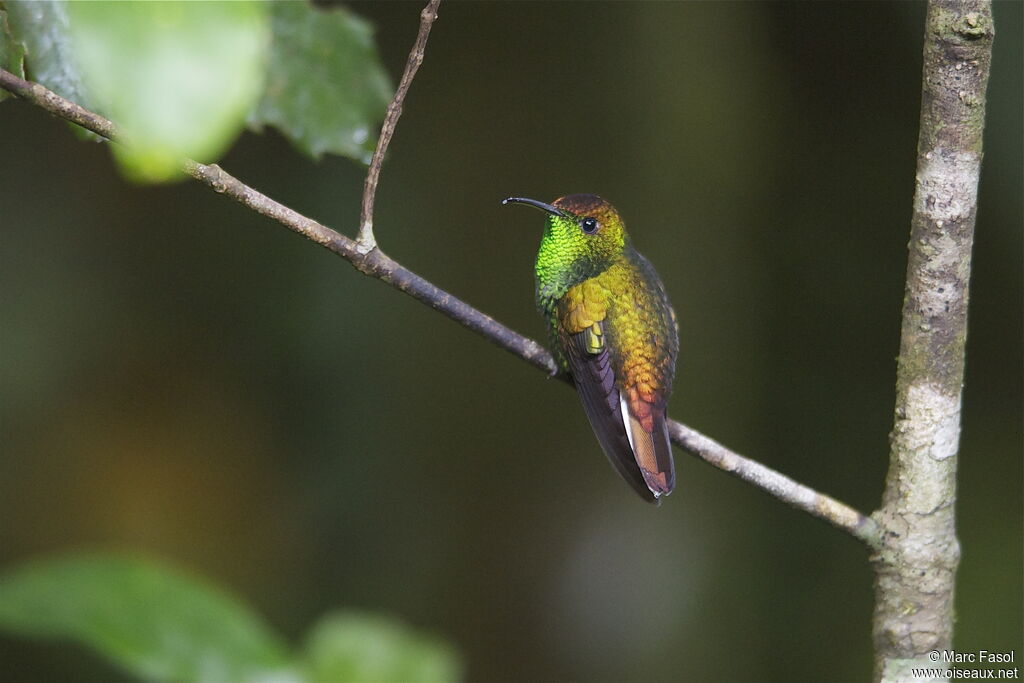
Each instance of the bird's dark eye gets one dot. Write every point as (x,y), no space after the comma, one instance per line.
(589,225)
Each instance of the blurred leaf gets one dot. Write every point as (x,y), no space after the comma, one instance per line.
(326,89)
(176,77)
(42,27)
(12,52)
(363,648)
(152,621)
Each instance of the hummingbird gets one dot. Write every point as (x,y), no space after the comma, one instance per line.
(613,331)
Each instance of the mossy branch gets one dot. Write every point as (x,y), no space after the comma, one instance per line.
(915,567)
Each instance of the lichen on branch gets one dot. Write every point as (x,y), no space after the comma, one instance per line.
(915,567)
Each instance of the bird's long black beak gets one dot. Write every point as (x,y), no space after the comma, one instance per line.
(554,211)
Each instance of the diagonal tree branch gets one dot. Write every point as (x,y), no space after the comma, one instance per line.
(382,267)
(375,263)
(915,567)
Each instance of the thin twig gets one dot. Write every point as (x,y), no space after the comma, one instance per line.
(775,484)
(55,104)
(365,241)
(381,266)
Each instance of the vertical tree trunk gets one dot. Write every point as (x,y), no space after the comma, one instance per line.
(919,553)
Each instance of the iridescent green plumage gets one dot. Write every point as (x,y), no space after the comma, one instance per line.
(614,331)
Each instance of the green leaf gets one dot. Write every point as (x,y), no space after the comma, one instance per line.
(42,27)
(348,647)
(12,52)
(176,77)
(326,89)
(154,622)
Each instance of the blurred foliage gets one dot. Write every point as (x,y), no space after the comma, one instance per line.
(153,622)
(161,625)
(12,52)
(178,78)
(181,79)
(181,377)
(42,28)
(326,89)
(367,647)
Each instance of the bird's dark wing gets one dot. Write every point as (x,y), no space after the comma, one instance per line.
(637,456)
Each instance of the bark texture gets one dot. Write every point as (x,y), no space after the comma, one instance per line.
(919,553)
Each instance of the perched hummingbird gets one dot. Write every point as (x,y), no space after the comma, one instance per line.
(613,330)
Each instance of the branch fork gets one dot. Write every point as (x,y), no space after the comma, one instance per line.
(363,253)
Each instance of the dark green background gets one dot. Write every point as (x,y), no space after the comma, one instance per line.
(181,376)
